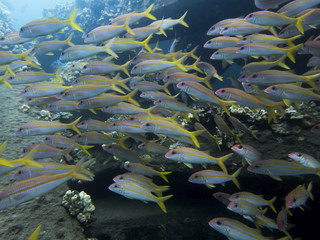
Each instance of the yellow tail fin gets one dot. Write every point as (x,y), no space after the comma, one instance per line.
(74,127)
(181,20)
(160,201)
(148,14)
(221,161)
(71,21)
(130,99)
(234,178)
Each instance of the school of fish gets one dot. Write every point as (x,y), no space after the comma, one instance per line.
(165,80)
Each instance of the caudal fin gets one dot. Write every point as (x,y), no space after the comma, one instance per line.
(74,127)
(148,14)
(130,99)
(160,201)
(71,21)
(77,171)
(162,174)
(234,178)
(221,161)
(181,20)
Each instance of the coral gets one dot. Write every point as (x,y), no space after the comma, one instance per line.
(79,205)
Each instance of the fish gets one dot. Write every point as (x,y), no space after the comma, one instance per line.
(3,161)
(135,191)
(275,168)
(234,229)
(212,177)
(269,39)
(151,66)
(263,65)
(282,219)
(126,108)
(169,128)
(126,126)
(189,156)
(225,128)
(175,105)
(267,4)
(292,92)
(221,42)
(64,142)
(257,200)
(105,32)
(294,7)
(139,168)
(268,18)
(243,27)
(222,197)
(182,76)
(27,172)
(207,134)
(142,181)
(94,137)
(270,77)
(153,147)
(198,91)
(264,49)
(45,127)
(237,124)
(101,67)
(155,95)
(13,38)
(106,99)
(216,28)
(228,54)
(47,151)
(245,208)
(93,125)
(62,106)
(249,100)
(316,129)
(7,57)
(25,190)
(304,159)
(42,27)
(32,77)
(170,23)
(208,69)
(150,86)
(142,33)
(250,154)
(47,47)
(298,196)
(82,51)
(133,17)
(42,90)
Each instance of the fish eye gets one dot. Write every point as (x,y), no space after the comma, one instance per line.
(147,124)
(219,223)
(84,67)
(226,28)
(273,88)
(115,186)
(316,127)
(241,48)
(19,172)
(81,102)
(182,84)
(113,124)
(134,67)
(216,53)
(236,205)
(46,139)
(236,196)
(62,53)
(244,38)
(249,84)
(23,150)
(223,91)
(256,166)
(250,16)
(299,155)
(254,75)
(196,176)
(109,147)
(1,39)
(121,178)
(209,41)
(87,35)
(20,129)
(25,91)
(22,29)
(173,152)
(73,65)
(131,118)
(240,146)
(159,101)
(294,199)
(10,78)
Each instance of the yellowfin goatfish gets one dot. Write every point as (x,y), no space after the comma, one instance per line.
(291,92)
(64,142)
(245,208)
(144,32)
(257,200)
(47,151)
(233,229)
(8,57)
(266,4)
(198,91)
(135,191)
(237,124)
(139,168)
(151,66)
(126,108)
(142,181)
(48,168)
(36,233)
(248,100)
(222,197)
(182,76)
(216,28)
(244,28)
(169,128)
(268,18)
(269,39)
(298,196)
(103,33)
(297,6)
(126,126)
(93,125)
(225,128)
(32,77)
(47,47)
(264,49)
(153,147)
(45,127)
(211,177)
(188,156)
(276,168)
(82,51)
(206,134)
(208,69)
(250,154)
(43,27)
(62,106)
(28,189)
(97,138)
(304,159)
(169,23)
(123,154)
(263,65)
(13,38)
(228,54)
(222,42)
(278,77)
(101,67)
(42,90)
(134,17)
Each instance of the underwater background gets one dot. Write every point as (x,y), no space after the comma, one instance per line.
(99,213)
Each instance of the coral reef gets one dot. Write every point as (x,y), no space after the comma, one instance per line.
(80,206)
